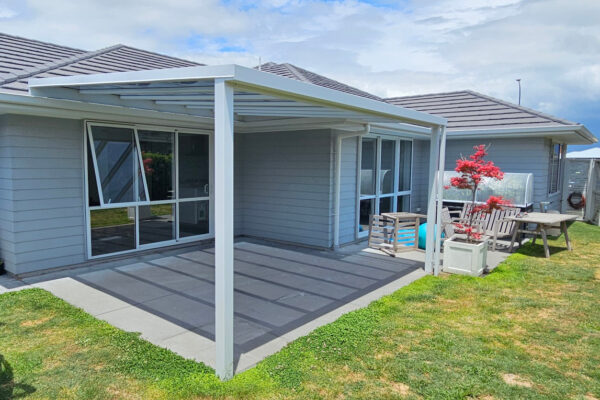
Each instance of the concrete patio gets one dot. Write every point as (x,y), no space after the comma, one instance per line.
(281,293)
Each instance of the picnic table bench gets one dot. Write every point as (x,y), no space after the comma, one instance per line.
(543,222)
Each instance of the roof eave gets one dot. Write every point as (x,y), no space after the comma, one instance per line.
(574,134)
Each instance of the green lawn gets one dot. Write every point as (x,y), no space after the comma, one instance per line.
(531,329)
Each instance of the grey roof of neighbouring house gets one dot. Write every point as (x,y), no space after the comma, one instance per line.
(301,74)
(21,59)
(469,110)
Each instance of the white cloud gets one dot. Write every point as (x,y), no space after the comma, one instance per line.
(420,47)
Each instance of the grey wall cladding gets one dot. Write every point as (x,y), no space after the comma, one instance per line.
(286,186)
(43,208)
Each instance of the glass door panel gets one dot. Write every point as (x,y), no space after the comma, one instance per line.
(404,167)
(386,204)
(367,208)
(156,223)
(157,157)
(112,230)
(387,170)
(193,166)
(368,166)
(194,218)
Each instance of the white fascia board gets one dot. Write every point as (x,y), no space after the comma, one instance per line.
(246,78)
(580,134)
(71,109)
(264,81)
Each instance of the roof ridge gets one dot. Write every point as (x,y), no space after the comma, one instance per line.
(61,63)
(297,73)
(525,109)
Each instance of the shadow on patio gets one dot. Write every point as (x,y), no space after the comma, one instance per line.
(281,293)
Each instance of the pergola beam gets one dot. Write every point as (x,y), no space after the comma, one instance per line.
(223,181)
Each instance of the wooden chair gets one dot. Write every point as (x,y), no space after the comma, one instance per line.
(492,224)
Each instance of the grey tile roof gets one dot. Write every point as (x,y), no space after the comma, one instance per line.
(300,74)
(468,110)
(63,61)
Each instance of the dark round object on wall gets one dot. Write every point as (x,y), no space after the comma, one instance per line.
(576,200)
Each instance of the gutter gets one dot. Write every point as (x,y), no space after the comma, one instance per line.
(544,131)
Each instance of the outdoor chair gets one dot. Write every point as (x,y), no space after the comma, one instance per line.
(494,224)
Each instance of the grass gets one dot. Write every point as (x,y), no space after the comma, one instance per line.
(531,329)
(118,216)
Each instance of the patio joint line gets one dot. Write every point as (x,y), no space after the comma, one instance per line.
(266,280)
(196,299)
(237,290)
(298,274)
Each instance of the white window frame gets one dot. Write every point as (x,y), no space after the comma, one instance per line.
(88,138)
(377,196)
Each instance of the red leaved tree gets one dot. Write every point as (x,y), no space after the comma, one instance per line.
(472,170)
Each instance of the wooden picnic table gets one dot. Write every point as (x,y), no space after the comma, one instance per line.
(543,222)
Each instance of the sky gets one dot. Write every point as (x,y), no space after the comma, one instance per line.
(386,47)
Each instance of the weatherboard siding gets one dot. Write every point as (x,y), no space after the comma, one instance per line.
(45,183)
(348,196)
(523,155)
(286,186)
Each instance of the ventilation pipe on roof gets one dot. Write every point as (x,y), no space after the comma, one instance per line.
(519,82)
(338,177)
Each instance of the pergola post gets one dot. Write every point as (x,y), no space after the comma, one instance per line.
(223,175)
(440,201)
(434,147)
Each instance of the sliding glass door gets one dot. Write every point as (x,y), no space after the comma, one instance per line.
(146,187)
(385,178)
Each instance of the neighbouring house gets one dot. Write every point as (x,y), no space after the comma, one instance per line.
(522,140)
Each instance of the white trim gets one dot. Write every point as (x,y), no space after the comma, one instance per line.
(440,199)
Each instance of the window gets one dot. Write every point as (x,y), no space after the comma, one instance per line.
(555,167)
(389,159)
(146,187)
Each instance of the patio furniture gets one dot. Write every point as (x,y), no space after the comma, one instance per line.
(393,233)
(495,224)
(543,221)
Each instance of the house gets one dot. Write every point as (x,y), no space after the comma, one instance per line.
(522,140)
(116,151)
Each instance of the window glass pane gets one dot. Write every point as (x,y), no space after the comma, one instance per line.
(367,166)
(367,208)
(113,230)
(93,196)
(193,166)
(118,165)
(404,170)
(193,218)
(157,223)
(403,203)
(157,156)
(385,204)
(388,160)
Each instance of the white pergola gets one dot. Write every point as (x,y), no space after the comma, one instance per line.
(229,96)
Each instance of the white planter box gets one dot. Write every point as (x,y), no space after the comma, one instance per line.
(465,258)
